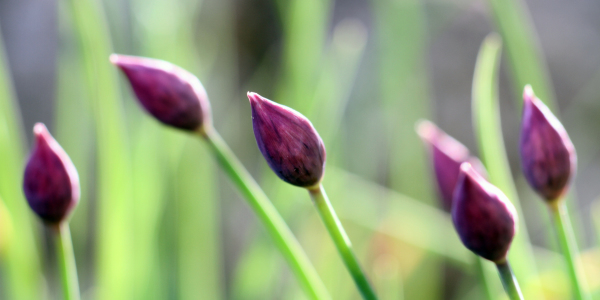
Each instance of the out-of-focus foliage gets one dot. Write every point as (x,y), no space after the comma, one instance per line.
(158,220)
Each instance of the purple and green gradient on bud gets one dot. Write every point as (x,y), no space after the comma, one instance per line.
(447,154)
(486,221)
(288,141)
(50,182)
(171,94)
(548,156)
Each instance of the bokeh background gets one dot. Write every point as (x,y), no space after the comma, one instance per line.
(158,220)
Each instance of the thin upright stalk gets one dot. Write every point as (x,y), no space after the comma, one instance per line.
(341,241)
(66,261)
(566,238)
(268,215)
(485,278)
(509,281)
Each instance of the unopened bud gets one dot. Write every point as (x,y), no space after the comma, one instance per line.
(288,141)
(50,182)
(548,156)
(171,94)
(483,216)
(447,154)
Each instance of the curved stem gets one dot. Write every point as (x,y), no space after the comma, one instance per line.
(341,241)
(268,215)
(509,281)
(566,238)
(66,261)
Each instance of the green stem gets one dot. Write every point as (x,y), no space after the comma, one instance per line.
(566,238)
(509,281)
(268,215)
(66,261)
(485,279)
(341,241)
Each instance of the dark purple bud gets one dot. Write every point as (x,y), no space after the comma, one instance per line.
(484,218)
(447,154)
(548,156)
(288,141)
(50,183)
(171,94)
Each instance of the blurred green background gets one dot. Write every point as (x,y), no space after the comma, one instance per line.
(157,218)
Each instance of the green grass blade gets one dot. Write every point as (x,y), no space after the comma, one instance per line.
(22,271)
(486,120)
(149,195)
(404,89)
(164,33)
(115,194)
(523,50)
(198,214)
(305,29)
(338,75)
(74,131)
(401,35)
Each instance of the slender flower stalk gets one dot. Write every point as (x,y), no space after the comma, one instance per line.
(549,161)
(485,278)
(341,240)
(509,281)
(66,259)
(266,212)
(295,152)
(176,98)
(566,238)
(51,186)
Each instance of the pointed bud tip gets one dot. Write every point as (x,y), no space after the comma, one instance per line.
(466,167)
(426,130)
(40,129)
(114,59)
(121,60)
(528,94)
(255,98)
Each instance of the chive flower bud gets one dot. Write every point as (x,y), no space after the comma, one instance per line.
(548,156)
(171,94)
(483,216)
(447,154)
(50,182)
(288,141)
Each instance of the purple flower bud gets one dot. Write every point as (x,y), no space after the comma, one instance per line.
(288,141)
(548,157)
(171,94)
(484,218)
(50,183)
(447,154)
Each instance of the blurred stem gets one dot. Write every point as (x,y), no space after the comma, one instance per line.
(66,261)
(268,215)
(509,281)
(566,238)
(341,240)
(524,53)
(485,279)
